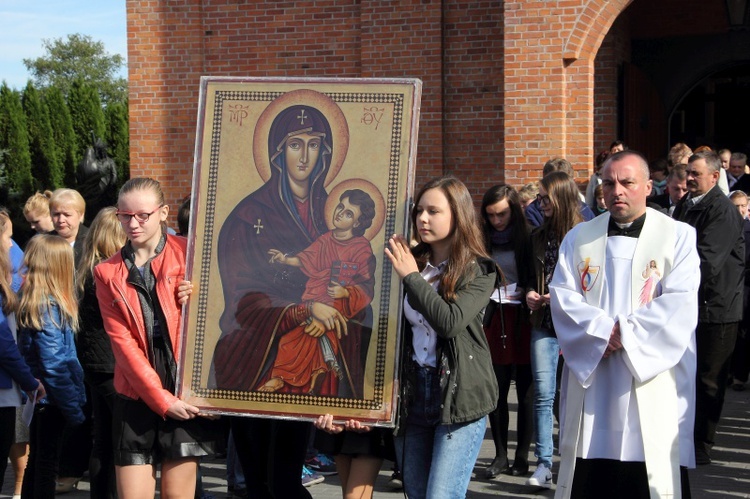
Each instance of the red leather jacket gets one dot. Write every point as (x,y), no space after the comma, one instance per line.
(123,321)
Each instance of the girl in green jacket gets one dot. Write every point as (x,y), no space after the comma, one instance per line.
(448,382)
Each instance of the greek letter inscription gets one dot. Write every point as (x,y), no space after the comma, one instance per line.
(372,115)
(237,113)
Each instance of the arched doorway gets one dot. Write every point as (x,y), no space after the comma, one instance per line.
(689,78)
(715,111)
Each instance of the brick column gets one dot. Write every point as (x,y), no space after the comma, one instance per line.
(550,48)
(165,59)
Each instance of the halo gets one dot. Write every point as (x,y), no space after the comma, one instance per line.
(321,102)
(369,188)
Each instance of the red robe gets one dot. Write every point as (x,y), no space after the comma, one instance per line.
(299,359)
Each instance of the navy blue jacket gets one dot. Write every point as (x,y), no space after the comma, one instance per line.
(12,365)
(51,354)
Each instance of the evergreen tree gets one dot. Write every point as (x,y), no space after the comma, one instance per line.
(14,138)
(87,114)
(63,134)
(118,139)
(46,166)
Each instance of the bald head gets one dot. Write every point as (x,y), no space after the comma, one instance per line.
(626,185)
(638,160)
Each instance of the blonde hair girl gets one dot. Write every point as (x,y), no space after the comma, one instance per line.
(36,212)
(104,238)
(48,317)
(49,282)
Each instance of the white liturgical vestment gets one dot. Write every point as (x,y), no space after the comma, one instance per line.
(637,404)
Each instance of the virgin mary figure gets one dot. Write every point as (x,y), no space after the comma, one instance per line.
(264,301)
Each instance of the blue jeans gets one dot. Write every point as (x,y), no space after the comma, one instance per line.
(545,353)
(436,460)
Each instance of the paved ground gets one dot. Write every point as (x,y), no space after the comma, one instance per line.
(727,477)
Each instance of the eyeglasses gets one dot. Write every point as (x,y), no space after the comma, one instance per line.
(125,216)
(542,199)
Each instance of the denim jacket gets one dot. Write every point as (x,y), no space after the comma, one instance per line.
(51,355)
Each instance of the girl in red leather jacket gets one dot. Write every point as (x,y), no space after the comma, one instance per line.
(141,290)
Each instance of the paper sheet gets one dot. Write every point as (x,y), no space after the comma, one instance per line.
(28,409)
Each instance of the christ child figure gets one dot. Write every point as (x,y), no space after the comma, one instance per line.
(309,358)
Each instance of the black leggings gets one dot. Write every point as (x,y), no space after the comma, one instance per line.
(272,453)
(7,436)
(500,417)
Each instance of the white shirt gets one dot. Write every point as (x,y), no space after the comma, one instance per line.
(424,338)
(655,338)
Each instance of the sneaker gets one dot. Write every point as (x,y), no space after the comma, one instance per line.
(542,477)
(309,477)
(396,482)
(322,465)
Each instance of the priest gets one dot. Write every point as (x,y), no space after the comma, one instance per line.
(625,307)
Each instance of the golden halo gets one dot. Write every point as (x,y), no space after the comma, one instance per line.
(321,102)
(369,188)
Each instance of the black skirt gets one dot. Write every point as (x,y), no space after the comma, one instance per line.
(377,443)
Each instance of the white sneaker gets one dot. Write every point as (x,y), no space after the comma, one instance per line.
(542,477)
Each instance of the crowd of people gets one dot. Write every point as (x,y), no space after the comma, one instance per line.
(621,314)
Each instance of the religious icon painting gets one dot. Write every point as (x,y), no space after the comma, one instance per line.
(297,186)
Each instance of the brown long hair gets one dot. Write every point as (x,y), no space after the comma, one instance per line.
(518,225)
(467,243)
(564,195)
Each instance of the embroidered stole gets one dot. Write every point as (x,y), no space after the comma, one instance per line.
(657,397)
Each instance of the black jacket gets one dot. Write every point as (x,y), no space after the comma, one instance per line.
(93,345)
(742,184)
(78,245)
(721,247)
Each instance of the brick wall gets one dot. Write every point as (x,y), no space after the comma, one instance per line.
(172,44)
(473,94)
(507,84)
